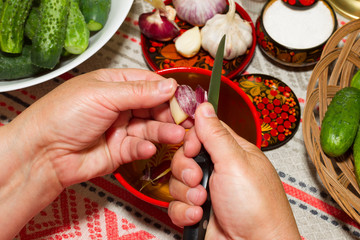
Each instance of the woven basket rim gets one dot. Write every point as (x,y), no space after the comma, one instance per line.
(333,72)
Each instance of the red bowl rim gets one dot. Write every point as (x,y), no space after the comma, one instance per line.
(231,74)
(226,80)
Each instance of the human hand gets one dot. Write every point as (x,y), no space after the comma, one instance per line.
(93,123)
(248,198)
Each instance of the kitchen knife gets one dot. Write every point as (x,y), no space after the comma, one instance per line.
(197,231)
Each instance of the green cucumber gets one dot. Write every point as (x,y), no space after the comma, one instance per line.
(12,24)
(1,7)
(355,81)
(32,23)
(96,13)
(15,66)
(77,33)
(49,39)
(356,153)
(341,121)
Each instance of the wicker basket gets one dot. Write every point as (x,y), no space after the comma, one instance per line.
(334,71)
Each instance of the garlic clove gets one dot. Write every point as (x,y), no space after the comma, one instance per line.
(176,112)
(188,44)
(185,101)
(171,12)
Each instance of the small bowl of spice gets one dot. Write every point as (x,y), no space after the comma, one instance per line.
(295,37)
(148,179)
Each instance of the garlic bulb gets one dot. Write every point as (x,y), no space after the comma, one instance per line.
(197,12)
(238,34)
(189,43)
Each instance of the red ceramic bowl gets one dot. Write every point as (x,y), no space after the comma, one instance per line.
(235,108)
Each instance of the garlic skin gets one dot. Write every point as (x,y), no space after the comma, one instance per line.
(238,34)
(159,25)
(197,12)
(189,43)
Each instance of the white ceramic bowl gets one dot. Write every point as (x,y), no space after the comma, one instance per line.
(118,12)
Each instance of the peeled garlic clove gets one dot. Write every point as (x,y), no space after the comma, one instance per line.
(189,43)
(176,112)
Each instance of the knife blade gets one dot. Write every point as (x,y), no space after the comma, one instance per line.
(197,231)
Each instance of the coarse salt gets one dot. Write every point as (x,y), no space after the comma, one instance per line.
(298,29)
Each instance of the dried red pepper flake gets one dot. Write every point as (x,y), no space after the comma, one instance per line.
(152,49)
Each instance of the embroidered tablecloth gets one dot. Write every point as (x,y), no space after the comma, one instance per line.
(102,209)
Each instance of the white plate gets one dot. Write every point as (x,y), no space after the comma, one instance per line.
(118,12)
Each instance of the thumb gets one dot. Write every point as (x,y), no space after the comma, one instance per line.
(217,140)
(138,94)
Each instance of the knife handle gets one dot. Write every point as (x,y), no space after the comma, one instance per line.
(197,231)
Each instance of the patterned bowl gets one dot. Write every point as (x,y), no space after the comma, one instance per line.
(235,109)
(289,56)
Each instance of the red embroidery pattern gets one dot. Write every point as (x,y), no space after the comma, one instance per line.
(112,229)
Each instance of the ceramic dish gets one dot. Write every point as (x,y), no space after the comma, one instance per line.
(118,12)
(347,8)
(277,106)
(291,56)
(163,55)
(235,108)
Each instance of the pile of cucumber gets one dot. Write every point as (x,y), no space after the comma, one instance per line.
(340,129)
(35,34)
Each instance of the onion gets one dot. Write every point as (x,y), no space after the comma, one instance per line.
(197,12)
(185,101)
(157,25)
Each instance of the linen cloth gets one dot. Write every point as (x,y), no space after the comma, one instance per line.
(102,209)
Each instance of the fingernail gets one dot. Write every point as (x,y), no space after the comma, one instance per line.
(207,110)
(190,213)
(193,195)
(186,176)
(166,85)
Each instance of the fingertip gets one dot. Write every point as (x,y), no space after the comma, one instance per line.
(196,196)
(193,214)
(167,85)
(207,110)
